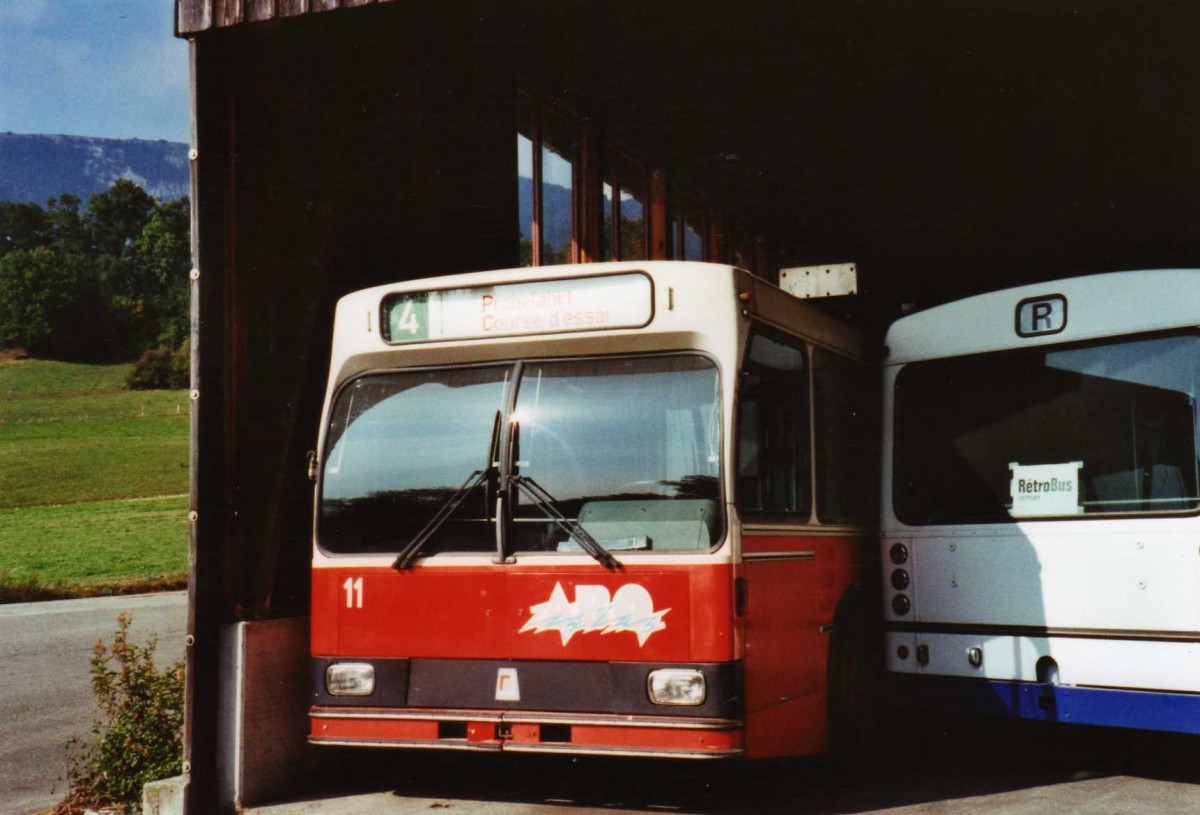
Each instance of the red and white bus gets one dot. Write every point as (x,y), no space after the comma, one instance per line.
(604,509)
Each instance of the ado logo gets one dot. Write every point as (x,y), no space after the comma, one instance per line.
(630,609)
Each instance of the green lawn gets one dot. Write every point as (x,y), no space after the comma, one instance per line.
(108,541)
(75,446)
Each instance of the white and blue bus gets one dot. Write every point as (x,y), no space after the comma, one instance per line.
(1041,502)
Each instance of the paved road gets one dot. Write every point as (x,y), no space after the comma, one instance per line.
(45,693)
(960,767)
(1100,796)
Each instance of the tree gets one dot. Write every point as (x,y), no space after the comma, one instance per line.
(101,282)
(116,216)
(114,219)
(67,230)
(22,226)
(162,254)
(52,304)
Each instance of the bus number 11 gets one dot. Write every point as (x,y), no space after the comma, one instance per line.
(354,592)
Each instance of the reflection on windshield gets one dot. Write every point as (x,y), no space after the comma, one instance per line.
(628,448)
(636,431)
(1120,415)
(400,445)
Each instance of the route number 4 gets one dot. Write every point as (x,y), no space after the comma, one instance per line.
(408,320)
(354,592)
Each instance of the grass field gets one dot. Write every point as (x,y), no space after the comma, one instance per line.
(75,447)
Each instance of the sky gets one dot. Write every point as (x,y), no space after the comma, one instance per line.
(108,68)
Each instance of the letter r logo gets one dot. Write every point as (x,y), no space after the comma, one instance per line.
(1037,316)
(508,689)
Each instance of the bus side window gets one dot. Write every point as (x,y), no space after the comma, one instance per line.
(773,445)
(843,442)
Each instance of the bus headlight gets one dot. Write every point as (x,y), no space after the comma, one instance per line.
(350,679)
(676,686)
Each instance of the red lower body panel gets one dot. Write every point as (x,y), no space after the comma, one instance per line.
(529,732)
(794,583)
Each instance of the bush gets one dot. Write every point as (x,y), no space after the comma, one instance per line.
(35,588)
(181,365)
(160,368)
(139,736)
(31,588)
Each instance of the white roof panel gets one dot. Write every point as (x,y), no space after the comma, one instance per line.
(1094,306)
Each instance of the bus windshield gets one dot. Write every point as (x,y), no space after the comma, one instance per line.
(627,448)
(1117,419)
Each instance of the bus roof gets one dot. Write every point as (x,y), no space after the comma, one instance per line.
(1084,308)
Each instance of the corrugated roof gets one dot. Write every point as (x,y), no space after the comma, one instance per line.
(196,16)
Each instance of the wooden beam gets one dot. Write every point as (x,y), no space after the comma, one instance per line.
(717,238)
(192,16)
(658,220)
(258,10)
(196,16)
(591,218)
(229,12)
(292,8)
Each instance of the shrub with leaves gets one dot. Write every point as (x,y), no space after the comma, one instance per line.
(158,368)
(181,365)
(138,736)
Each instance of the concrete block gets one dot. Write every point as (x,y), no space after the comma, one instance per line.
(164,797)
(262,725)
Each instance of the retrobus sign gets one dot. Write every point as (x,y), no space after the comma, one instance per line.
(534,307)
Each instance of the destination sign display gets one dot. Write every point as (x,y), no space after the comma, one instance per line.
(536,307)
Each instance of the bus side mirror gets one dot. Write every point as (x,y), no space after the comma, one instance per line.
(312,466)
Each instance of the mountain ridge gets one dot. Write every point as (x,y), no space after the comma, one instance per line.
(35,167)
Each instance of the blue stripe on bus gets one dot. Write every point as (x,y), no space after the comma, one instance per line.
(1109,707)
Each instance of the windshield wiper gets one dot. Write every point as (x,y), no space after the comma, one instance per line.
(410,551)
(544,501)
(413,548)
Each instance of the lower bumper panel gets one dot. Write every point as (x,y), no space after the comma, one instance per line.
(528,732)
(1163,711)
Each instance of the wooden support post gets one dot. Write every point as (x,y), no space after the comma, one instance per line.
(658,216)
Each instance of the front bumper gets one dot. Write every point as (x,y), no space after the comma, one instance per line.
(528,732)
